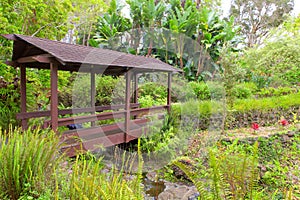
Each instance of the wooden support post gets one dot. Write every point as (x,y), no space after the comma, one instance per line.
(23,95)
(54,97)
(127,104)
(136,87)
(169,92)
(93,93)
(135,90)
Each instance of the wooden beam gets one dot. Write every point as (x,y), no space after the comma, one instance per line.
(23,95)
(105,116)
(93,93)
(10,37)
(127,104)
(169,92)
(136,87)
(54,97)
(43,58)
(47,113)
(11,63)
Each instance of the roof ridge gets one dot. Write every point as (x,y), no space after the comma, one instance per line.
(65,43)
(87,47)
(76,55)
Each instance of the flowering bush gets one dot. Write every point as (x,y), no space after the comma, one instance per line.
(283,122)
(255,126)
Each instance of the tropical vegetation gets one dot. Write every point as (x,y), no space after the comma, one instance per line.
(235,109)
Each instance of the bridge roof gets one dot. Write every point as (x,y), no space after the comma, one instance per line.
(37,52)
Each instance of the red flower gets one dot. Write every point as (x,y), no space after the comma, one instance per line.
(255,126)
(284,122)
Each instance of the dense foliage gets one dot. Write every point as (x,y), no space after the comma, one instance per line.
(39,18)
(225,85)
(167,30)
(257,17)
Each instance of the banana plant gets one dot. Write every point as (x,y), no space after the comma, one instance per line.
(109,26)
(152,16)
(214,32)
(183,22)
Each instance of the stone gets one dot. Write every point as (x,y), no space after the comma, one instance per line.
(177,192)
(151,176)
(285,138)
(291,133)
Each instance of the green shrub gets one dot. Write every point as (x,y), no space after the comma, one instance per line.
(200,89)
(280,91)
(265,104)
(244,90)
(27,162)
(155,90)
(217,90)
(261,81)
(278,158)
(181,91)
(207,90)
(243,112)
(277,59)
(146,101)
(9,96)
(87,181)
(231,173)
(241,92)
(110,90)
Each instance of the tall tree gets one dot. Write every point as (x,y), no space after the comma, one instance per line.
(277,60)
(257,17)
(84,19)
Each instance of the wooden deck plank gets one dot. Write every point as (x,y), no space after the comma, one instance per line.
(81,140)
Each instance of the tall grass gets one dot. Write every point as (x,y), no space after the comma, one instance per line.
(26,162)
(89,180)
(32,168)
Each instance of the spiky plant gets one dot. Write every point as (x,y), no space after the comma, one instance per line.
(89,182)
(231,174)
(27,160)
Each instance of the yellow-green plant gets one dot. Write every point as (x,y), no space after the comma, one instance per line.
(87,181)
(27,160)
(230,174)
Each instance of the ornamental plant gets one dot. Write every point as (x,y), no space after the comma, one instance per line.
(255,127)
(284,122)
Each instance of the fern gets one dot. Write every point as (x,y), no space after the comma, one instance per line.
(88,182)
(232,174)
(192,175)
(27,159)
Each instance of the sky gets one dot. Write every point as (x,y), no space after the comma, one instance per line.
(226,7)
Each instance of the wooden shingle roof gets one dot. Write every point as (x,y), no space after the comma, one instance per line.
(69,55)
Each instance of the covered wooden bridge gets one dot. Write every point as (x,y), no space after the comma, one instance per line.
(32,52)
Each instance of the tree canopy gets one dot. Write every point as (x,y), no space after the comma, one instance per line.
(40,18)
(257,17)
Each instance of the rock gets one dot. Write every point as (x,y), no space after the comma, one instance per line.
(179,174)
(285,138)
(178,192)
(151,176)
(194,196)
(291,133)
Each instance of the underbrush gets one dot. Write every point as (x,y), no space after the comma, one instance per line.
(27,163)
(230,173)
(31,167)
(244,112)
(267,169)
